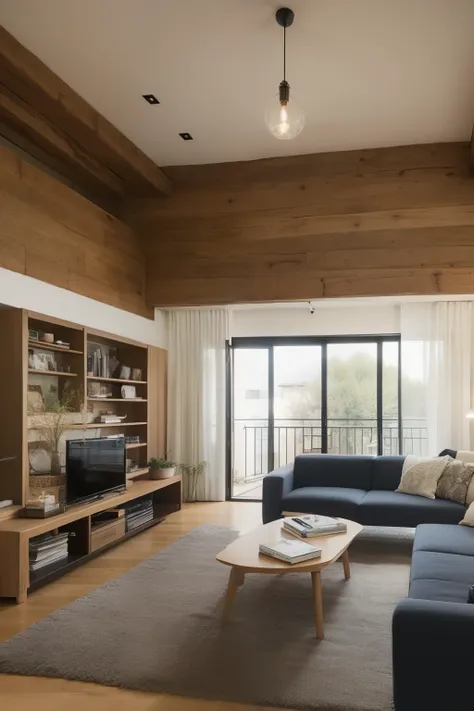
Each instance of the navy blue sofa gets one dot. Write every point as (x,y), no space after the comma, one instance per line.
(356,487)
(433,628)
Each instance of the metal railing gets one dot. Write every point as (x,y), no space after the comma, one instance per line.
(299,436)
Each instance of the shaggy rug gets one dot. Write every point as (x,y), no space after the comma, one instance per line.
(157,628)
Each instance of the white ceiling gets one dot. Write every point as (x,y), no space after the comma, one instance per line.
(369,73)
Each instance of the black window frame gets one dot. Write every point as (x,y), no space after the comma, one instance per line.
(269,342)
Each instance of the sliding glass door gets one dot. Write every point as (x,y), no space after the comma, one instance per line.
(309,395)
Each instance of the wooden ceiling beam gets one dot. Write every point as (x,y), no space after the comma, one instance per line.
(44,141)
(38,104)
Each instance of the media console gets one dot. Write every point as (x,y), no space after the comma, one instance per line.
(16,579)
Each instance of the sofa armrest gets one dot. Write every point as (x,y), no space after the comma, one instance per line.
(432,654)
(275,485)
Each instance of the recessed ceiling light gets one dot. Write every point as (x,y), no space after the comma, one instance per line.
(151,98)
(186,136)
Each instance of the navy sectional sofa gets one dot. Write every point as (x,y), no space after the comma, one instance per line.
(433,628)
(356,487)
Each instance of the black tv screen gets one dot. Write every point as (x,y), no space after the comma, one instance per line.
(94,467)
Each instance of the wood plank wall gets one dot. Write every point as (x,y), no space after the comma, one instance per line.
(360,223)
(51,233)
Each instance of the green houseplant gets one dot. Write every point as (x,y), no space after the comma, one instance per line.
(161,468)
(193,473)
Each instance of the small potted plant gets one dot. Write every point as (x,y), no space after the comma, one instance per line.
(161,468)
(193,473)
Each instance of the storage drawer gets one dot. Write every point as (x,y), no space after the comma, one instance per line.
(107,533)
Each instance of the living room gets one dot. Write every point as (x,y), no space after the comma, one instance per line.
(274,296)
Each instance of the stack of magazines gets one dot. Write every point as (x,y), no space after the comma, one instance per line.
(47,549)
(309,525)
(138,512)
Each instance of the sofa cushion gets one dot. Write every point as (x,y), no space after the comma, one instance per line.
(351,472)
(438,590)
(390,508)
(324,500)
(443,538)
(386,473)
(430,565)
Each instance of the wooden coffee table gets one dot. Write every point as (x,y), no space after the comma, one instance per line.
(243,556)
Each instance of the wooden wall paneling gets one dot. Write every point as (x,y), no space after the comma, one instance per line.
(51,233)
(45,142)
(38,104)
(383,221)
(157,397)
(13,385)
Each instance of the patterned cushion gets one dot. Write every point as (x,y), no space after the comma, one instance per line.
(454,482)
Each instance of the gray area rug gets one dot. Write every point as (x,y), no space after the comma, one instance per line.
(157,628)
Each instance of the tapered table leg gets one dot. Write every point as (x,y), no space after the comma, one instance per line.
(236,579)
(346,564)
(318,603)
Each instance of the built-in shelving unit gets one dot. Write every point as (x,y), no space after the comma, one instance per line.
(37,368)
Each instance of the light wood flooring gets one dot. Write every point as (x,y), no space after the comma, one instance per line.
(25,693)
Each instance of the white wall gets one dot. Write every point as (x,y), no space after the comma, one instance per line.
(27,293)
(327,320)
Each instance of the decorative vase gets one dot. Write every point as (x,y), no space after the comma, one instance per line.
(55,463)
(162,473)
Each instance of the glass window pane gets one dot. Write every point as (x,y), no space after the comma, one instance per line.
(352,398)
(390,403)
(250,422)
(297,404)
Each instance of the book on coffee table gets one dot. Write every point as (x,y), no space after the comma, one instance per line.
(290,551)
(310,526)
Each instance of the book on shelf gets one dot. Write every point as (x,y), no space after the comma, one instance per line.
(290,551)
(310,526)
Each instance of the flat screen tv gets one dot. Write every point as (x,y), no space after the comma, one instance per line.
(94,467)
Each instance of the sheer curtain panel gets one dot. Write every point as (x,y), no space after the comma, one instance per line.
(437,382)
(196,394)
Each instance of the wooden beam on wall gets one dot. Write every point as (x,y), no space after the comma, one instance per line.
(51,233)
(360,223)
(39,105)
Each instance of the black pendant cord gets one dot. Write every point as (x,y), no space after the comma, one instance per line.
(284,54)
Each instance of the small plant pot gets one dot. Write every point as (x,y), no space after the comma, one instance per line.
(162,473)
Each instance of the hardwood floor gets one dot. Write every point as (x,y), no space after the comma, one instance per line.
(24,693)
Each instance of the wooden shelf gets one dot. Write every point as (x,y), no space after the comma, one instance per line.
(30,527)
(52,347)
(117,399)
(51,372)
(117,380)
(138,472)
(100,425)
(135,445)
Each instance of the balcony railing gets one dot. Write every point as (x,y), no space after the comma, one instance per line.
(298,436)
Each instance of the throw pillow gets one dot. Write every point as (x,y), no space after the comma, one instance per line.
(422,477)
(454,482)
(468,519)
(467,458)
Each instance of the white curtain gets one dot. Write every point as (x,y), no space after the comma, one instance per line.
(437,382)
(196,394)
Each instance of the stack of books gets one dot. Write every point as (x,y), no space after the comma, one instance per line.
(290,551)
(138,512)
(47,549)
(310,526)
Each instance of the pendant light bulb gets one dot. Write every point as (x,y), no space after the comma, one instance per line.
(284,117)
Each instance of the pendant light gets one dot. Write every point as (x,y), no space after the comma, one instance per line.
(284,117)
